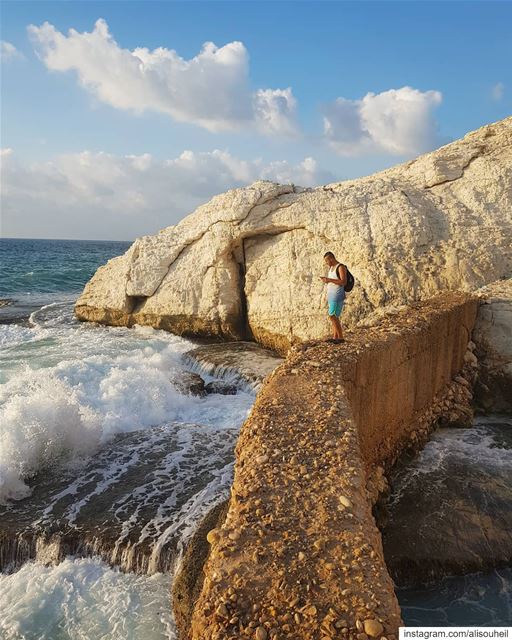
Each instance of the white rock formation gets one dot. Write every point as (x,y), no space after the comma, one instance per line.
(248,261)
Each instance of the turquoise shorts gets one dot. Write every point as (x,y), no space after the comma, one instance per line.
(336,303)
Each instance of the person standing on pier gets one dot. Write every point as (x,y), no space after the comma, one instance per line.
(336,280)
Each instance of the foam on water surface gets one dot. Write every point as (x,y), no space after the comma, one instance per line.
(486,446)
(135,502)
(83,599)
(480,599)
(69,387)
(101,449)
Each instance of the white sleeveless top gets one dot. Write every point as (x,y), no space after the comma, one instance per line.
(333,289)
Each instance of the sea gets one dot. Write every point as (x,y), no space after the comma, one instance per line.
(71,395)
(68,391)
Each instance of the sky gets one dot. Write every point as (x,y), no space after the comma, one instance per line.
(119,118)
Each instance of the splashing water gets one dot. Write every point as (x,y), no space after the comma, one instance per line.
(93,418)
(82,599)
(69,388)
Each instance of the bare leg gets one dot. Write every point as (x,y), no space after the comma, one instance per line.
(333,326)
(338,330)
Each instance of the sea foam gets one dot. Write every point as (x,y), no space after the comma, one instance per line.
(68,388)
(82,599)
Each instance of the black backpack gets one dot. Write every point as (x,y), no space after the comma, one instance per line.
(350,280)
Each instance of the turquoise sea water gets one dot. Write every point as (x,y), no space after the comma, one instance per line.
(36,272)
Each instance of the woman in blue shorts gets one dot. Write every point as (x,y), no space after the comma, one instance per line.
(336,280)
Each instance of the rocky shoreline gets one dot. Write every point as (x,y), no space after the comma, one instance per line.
(299,554)
(119,504)
(312,395)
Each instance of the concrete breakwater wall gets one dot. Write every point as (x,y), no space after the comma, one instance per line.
(298,554)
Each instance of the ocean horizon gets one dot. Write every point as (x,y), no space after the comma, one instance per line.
(255,319)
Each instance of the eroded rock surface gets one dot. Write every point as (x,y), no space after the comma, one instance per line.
(131,504)
(247,262)
(450,511)
(493,338)
(245,364)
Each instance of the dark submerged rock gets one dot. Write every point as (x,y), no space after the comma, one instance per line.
(219,386)
(450,512)
(190,383)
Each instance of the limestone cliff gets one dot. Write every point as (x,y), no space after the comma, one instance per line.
(246,264)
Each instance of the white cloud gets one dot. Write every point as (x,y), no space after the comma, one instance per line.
(398,122)
(8,51)
(497,91)
(100,195)
(275,111)
(210,90)
(306,173)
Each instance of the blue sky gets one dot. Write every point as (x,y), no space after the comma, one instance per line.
(430,71)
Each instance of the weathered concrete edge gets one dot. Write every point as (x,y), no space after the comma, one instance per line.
(449,400)
(189,579)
